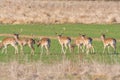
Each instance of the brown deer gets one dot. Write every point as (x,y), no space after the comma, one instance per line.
(88,43)
(44,43)
(107,42)
(8,41)
(79,41)
(25,41)
(65,42)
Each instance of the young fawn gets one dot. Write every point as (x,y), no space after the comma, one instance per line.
(107,42)
(44,43)
(8,41)
(65,42)
(25,41)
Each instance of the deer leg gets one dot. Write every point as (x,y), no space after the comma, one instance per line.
(21,49)
(104,49)
(114,47)
(47,49)
(32,49)
(93,49)
(42,49)
(3,50)
(70,47)
(66,47)
(84,48)
(16,49)
(78,48)
(108,49)
(87,49)
(63,49)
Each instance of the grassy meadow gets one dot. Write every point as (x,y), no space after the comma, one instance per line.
(71,30)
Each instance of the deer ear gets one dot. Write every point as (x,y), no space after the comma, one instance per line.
(14,32)
(103,34)
(83,35)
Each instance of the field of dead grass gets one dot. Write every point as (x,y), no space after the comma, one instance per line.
(64,70)
(48,11)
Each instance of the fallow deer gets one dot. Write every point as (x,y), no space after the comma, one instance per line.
(44,43)
(107,42)
(6,42)
(65,42)
(79,43)
(88,43)
(25,41)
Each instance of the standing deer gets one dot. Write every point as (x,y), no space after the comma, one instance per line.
(107,42)
(44,43)
(79,41)
(8,41)
(25,41)
(88,44)
(65,42)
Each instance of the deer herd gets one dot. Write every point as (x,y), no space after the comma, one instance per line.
(82,42)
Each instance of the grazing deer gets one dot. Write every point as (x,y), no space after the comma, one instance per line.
(88,43)
(44,43)
(8,41)
(25,41)
(107,42)
(65,42)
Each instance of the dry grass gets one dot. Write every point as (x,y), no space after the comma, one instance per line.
(39,11)
(65,70)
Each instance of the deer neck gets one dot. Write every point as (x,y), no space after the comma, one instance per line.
(103,39)
(1,44)
(17,38)
(59,38)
